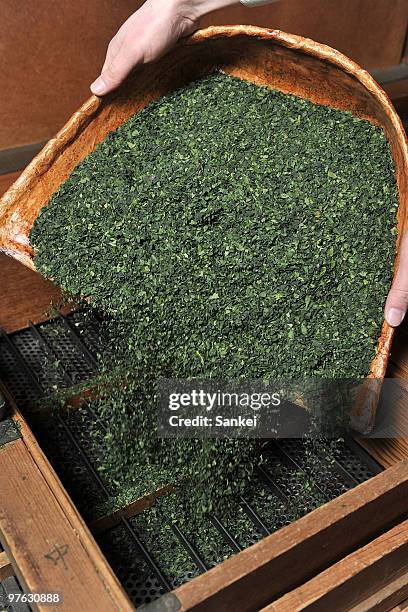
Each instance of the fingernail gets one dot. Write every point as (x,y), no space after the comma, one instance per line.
(395,316)
(98,87)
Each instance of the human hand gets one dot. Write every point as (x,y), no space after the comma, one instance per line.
(148,34)
(145,36)
(397,301)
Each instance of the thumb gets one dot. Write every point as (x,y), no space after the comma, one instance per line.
(114,73)
(397,301)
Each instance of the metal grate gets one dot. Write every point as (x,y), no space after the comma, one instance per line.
(9,588)
(140,584)
(151,554)
(57,354)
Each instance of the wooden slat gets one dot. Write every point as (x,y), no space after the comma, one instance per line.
(393,446)
(402,606)
(370,32)
(366,576)
(6,569)
(24,296)
(135,507)
(38,518)
(387,451)
(298,552)
(398,92)
(385,597)
(14,159)
(37,535)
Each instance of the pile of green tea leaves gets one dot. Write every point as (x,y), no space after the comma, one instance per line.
(228,231)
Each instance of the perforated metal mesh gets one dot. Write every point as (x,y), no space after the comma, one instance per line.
(68,358)
(15,378)
(140,584)
(36,362)
(358,462)
(59,367)
(329,481)
(9,587)
(68,464)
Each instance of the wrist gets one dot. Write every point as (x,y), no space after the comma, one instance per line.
(195,9)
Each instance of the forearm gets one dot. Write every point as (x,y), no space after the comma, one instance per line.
(151,31)
(195,9)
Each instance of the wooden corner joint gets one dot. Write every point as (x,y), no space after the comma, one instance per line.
(6,568)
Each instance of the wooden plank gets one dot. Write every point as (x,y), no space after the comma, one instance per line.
(38,518)
(398,92)
(383,76)
(37,535)
(387,451)
(6,180)
(6,569)
(135,507)
(392,447)
(385,597)
(24,295)
(17,158)
(276,564)
(370,31)
(402,606)
(74,39)
(369,572)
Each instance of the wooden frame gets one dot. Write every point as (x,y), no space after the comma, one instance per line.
(374,576)
(45,538)
(296,553)
(36,514)
(6,569)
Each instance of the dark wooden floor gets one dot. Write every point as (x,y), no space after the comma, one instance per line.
(24,294)
(391,450)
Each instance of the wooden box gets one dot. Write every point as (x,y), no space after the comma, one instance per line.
(349,554)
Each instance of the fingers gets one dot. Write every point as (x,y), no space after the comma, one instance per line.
(108,59)
(115,70)
(397,301)
(144,37)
